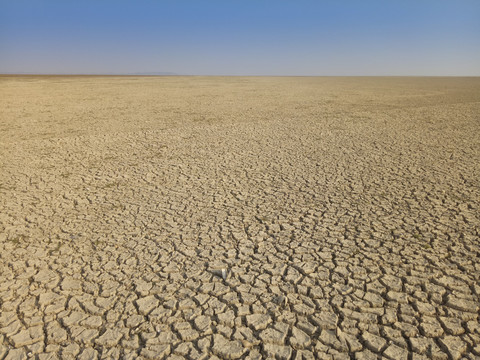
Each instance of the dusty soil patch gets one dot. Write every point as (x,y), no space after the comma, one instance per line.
(239,217)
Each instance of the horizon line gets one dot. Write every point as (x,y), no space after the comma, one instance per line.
(213,75)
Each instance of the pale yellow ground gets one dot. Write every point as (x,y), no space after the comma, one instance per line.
(345,213)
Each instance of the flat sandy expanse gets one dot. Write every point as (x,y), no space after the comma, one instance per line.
(344,212)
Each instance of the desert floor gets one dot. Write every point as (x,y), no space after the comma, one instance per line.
(344,212)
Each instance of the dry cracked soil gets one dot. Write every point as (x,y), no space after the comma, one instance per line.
(239,218)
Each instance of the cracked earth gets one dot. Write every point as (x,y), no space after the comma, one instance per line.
(239,218)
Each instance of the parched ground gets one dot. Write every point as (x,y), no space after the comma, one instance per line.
(203,217)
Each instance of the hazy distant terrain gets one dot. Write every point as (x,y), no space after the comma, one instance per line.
(344,213)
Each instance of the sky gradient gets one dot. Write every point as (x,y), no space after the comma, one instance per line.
(241,37)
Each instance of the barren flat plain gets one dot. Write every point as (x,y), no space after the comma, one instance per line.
(239,218)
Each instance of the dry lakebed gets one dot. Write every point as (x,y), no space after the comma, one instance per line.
(239,217)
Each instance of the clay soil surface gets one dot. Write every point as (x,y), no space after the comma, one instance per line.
(203,217)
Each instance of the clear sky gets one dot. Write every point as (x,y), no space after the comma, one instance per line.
(241,37)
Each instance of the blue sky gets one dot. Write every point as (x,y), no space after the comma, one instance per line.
(241,37)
